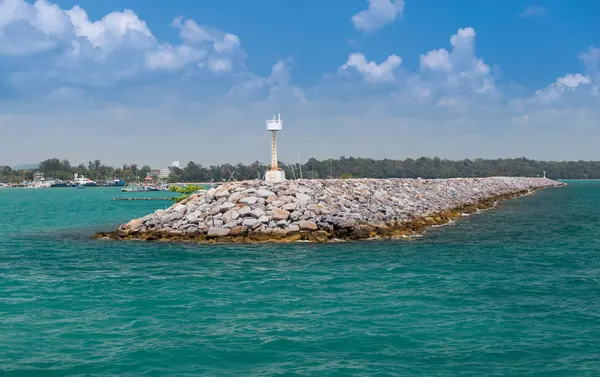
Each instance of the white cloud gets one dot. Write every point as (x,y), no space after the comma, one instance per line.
(452,98)
(533,11)
(169,57)
(118,46)
(436,60)
(204,45)
(555,91)
(275,87)
(220,65)
(458,70)
(378,14)
(114,31)
(43,26)
(373,72)
(29,29)
(193,33)
(591,60)
(572,81)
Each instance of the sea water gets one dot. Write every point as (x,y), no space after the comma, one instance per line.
(514,291)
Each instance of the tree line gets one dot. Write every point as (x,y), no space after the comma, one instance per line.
(63,169)
(342,167)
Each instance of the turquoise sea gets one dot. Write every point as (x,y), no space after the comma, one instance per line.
(514,291)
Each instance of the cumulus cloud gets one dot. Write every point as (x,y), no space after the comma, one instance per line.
(43,26)
(373,72)
(201,44)
(436,60)
(220,65)
(118,46)
(442,74)
(275,87)
(32,28)
(451,98)
(565,84)
(114,31)
(458,70)
(591,59)
(378,14)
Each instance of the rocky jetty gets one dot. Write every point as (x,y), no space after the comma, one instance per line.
(323,210)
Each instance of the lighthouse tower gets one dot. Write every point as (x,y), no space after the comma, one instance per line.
(275,174)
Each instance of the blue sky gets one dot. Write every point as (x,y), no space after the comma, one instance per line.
(153,81)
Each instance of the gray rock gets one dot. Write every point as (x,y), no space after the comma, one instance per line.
(302,199)
(263,193)
(173,217)
(295,215)
(307,225)
(218,232)
(245,211)
(264,219)
(249,200)
(257,213)
(179,208)
(235,197)
(290,206)
(250,222)
(193,218)
(280,214)
(231,215)
(226,207)
(312,207)
(345,223)
(279,232)
(324,226)
(222,194)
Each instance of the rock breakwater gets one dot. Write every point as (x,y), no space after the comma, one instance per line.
(323,210)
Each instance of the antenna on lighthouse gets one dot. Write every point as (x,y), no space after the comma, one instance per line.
(275,174)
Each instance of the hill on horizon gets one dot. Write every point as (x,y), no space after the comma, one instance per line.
(25,167)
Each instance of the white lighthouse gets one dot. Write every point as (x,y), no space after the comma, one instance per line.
(275,174)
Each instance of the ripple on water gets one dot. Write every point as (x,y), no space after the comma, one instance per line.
(512,291)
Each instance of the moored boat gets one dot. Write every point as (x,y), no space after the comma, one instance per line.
(80,180)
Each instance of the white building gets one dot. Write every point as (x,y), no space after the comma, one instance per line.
(164,173)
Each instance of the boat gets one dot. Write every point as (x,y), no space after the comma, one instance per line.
(80,180)
(142,188)
(133,188)
(58,183)
(117,182)
(38,182)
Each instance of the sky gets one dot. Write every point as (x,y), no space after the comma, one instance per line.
(150,82)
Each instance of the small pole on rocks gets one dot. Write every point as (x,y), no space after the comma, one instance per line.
(293,171)
(300,165)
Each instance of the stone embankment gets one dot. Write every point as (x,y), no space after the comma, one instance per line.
(323,210)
